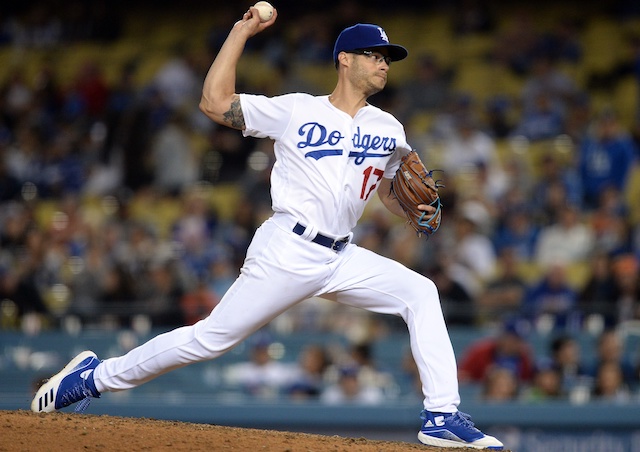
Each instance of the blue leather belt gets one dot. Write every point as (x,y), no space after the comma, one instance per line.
(336,245)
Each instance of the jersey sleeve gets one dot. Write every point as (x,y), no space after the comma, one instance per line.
(266,116)
(402,149)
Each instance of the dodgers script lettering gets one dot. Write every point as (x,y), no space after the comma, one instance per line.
(316,135)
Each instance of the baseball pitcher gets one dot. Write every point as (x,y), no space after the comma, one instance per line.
(333,153)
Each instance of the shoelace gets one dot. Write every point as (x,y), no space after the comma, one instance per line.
(78,392)
(463,419)
(84,403)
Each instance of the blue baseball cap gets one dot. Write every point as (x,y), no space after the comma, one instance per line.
(366,36)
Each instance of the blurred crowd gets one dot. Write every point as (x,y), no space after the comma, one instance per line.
(497,368)
(109,189)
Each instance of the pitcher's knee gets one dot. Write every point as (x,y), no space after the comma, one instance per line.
(427,288)
(422,293)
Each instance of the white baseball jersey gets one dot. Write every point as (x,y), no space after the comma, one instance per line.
(324,154)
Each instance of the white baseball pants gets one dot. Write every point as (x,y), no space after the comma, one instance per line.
(281,269)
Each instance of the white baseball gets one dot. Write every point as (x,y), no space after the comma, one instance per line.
(265,10)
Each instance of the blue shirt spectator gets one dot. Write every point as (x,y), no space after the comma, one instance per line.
(542,121)
(556,173)
(554,299)
(518,232)
(606,158)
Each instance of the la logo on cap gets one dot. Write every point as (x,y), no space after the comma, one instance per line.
(383,34)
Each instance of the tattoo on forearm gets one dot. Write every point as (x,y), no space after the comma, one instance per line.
(234,116)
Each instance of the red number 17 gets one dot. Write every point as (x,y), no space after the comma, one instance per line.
(364,194)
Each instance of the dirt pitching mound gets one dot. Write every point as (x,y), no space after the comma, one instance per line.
(27,431)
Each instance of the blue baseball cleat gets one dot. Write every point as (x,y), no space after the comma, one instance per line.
(454,430)
(72,384)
